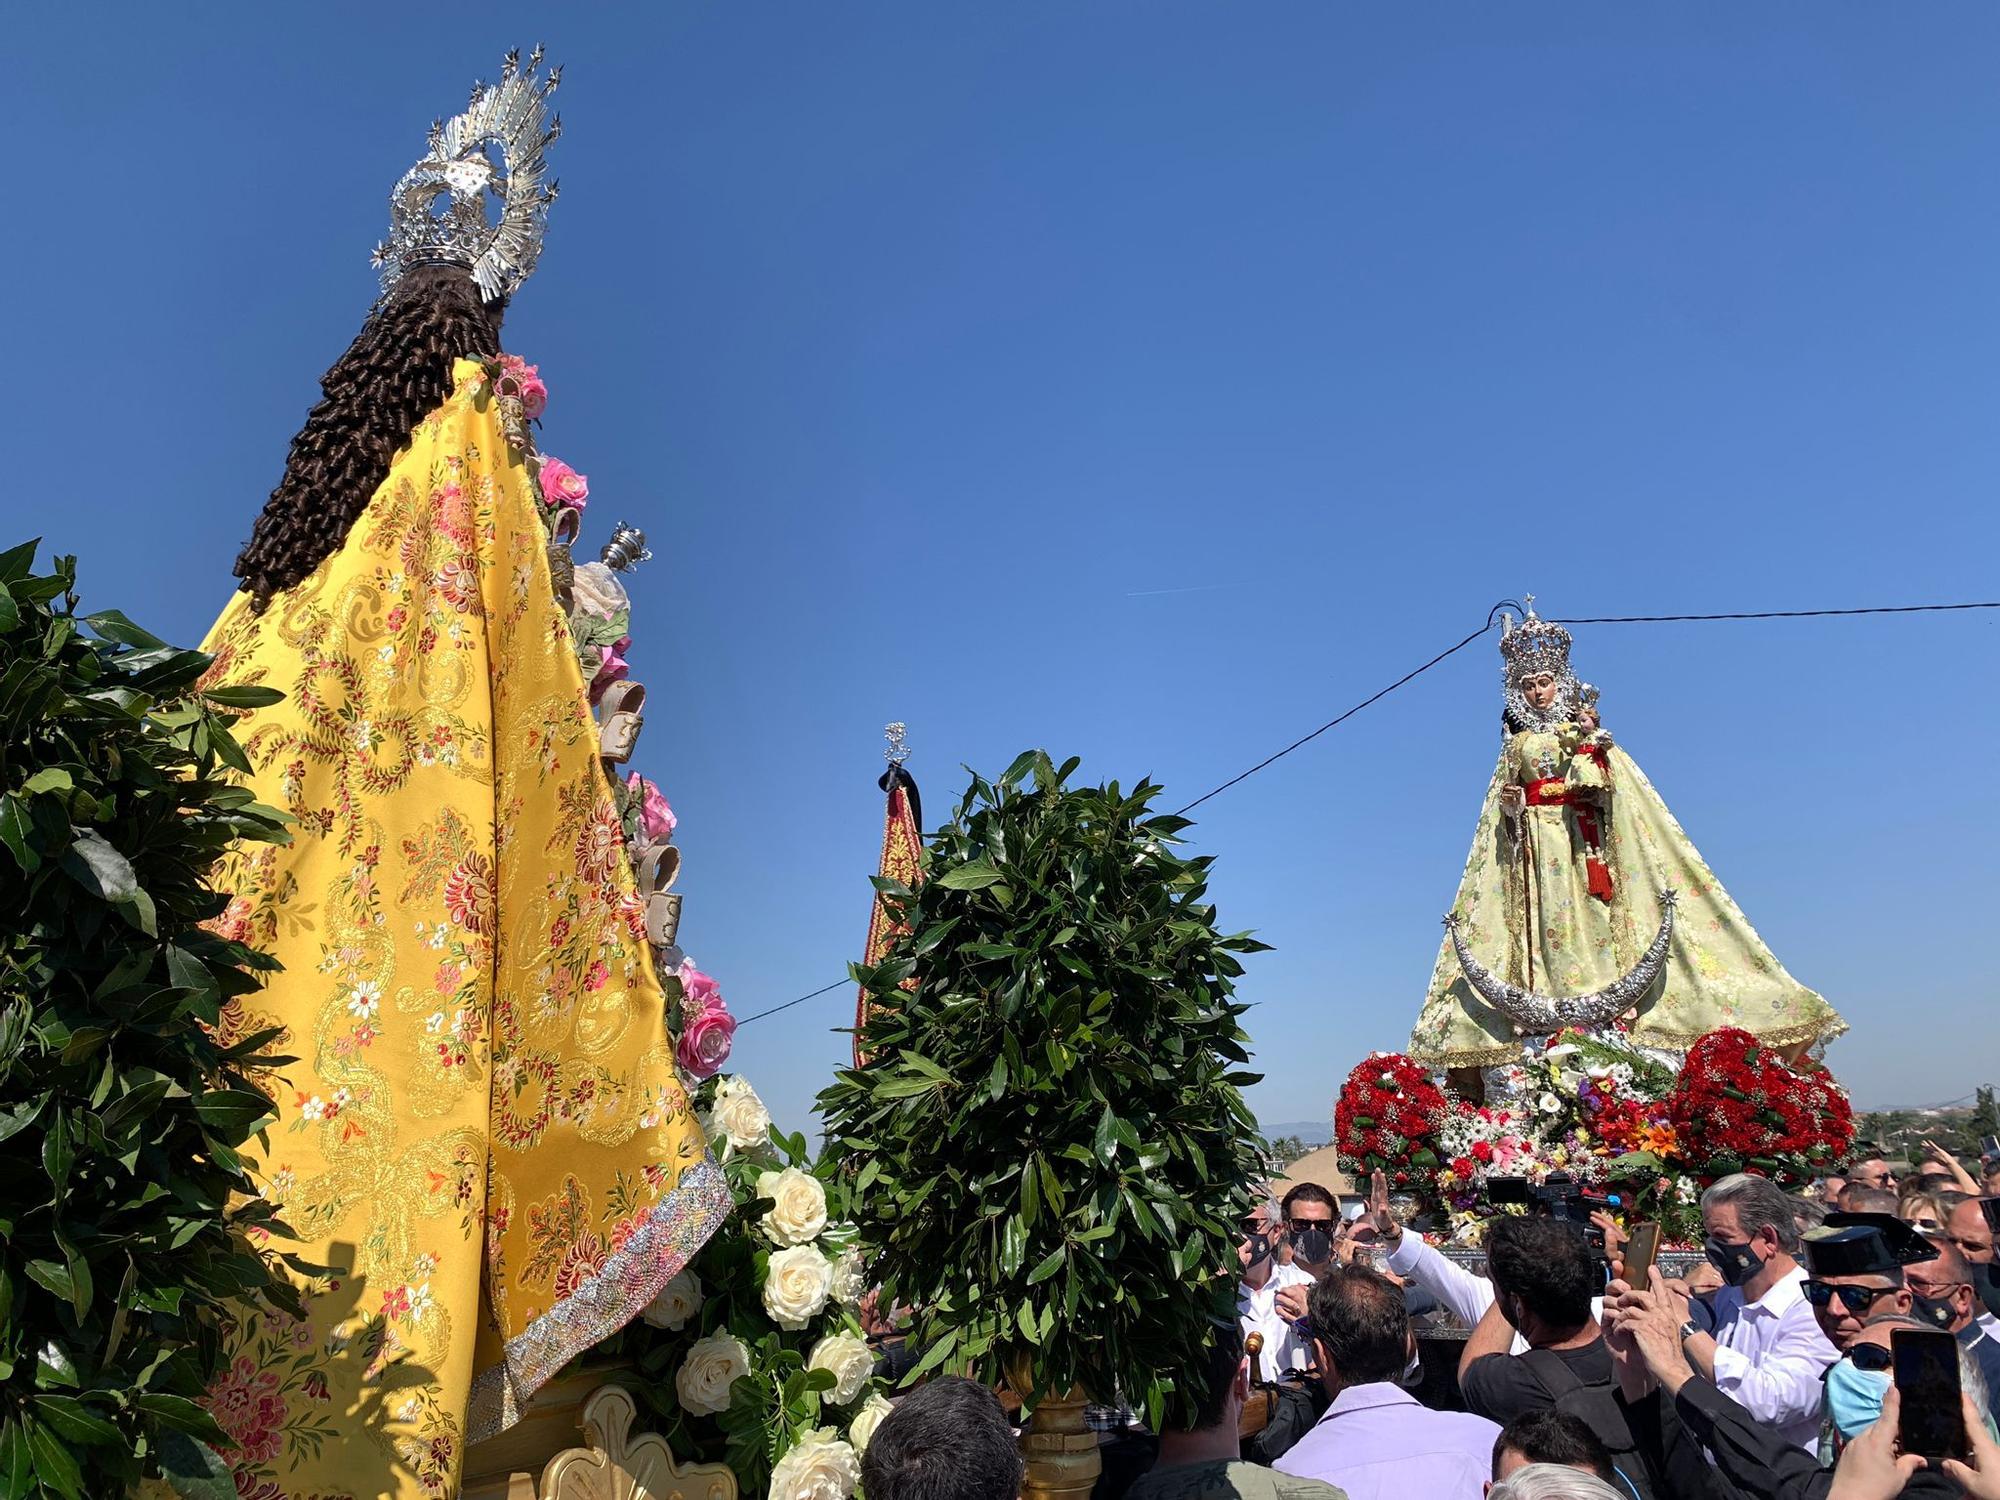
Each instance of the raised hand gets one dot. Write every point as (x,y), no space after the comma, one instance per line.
(1379,1212)
(1981,1478)
(1871,1468)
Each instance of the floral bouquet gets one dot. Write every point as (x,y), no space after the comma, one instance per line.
(754,1353)
(1606,1115)
(1739,1106)
(1385,1118)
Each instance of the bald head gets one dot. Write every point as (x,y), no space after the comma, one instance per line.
(1970,1234)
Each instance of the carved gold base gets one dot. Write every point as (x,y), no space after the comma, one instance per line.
(530,1462)
(1059,1451)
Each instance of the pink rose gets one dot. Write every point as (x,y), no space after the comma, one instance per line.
(562,485)
(655,816)
(519,380)
(611,666)
(705,1042)
(698,991)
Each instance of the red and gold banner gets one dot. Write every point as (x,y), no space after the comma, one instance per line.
(902,854)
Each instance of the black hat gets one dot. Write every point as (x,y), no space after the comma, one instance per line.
(1864,1245)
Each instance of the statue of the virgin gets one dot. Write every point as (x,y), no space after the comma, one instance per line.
(1584,905)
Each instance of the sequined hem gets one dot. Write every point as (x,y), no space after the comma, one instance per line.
(1807,1034)
(631,1277)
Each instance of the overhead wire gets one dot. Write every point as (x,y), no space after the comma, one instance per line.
(1452,650)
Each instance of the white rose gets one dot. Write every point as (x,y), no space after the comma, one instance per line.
(819,1466)
(596,588)
(848,1360)
(850,1278)
(862,1428)
(798,1206)
(739,1116)
(796,1284)
(712,1366)
(679,1300)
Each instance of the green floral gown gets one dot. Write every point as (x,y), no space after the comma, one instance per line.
(1565,900)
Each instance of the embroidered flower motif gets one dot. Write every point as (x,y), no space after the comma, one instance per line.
(468,893)
(245,1402)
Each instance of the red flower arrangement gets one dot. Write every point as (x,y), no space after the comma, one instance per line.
(1385,1119)
(1740,1106)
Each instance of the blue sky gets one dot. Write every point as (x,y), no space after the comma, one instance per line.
(1146,382)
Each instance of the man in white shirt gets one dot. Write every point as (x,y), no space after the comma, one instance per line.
(1767,1352)
(1264,1276)
(1466,1295)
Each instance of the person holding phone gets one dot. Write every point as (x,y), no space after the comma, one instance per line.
(1942,1294)
(1765,1349)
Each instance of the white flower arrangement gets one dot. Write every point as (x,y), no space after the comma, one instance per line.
(757,1345)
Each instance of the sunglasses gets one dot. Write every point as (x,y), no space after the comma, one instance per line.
(1300,1226)
(1869,1357)
(1855,1299)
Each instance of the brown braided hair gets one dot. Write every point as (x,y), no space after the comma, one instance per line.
(395,373)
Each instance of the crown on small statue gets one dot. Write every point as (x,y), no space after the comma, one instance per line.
(438,214)
(1533,646)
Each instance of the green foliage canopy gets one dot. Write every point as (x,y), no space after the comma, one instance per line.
(121,1112)
(1050,1151)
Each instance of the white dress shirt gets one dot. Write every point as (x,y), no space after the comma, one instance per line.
(1257,1311)
(1466,1295)
(1770,1357)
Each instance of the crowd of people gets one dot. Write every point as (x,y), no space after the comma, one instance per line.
(1764,1373)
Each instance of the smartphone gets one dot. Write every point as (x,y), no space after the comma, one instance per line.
(1933,1420)
(1640,1248)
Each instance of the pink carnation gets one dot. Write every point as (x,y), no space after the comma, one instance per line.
(655,816)
(519,380)
(705,1042)
(562,485)
(611,666)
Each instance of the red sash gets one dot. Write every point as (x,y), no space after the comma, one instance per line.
(1553,791)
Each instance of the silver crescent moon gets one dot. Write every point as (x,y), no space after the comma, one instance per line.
(1535,1014)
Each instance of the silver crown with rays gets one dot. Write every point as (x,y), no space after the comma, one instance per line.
(1532,647)
(438,212)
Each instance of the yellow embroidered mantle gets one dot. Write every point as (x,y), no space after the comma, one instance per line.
(483,1135)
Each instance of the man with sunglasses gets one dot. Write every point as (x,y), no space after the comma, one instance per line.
(1686,1423)
(1263,1282)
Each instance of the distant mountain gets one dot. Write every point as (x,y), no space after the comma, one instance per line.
(1312,1132)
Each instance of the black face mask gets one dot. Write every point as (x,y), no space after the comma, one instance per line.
(1737,1263)
(1260,1247)
(1936,1310)
(1312,1245)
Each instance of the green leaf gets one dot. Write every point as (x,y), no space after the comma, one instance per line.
(15,827)
(54,1466)
(111,625)
(975,876)
(1048,1266)
(18,1117)
(236,1112)
(178,1413)
(243,696)
(17,1468)
(96,866)
(53,779)
(71,1419)
(193,1470)
(18,561)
